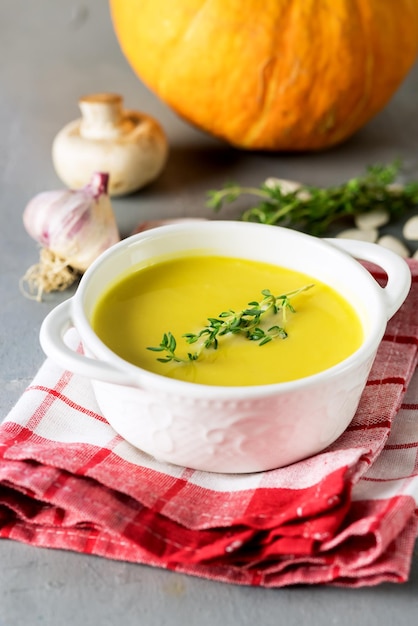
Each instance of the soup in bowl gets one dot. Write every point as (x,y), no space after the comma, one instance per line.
(228,346)
(223,335)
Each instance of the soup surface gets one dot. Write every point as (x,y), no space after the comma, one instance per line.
(179,295)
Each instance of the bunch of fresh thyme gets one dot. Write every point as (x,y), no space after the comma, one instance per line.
(245,322)
(315,209)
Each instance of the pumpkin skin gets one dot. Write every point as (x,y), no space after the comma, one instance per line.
(274,75)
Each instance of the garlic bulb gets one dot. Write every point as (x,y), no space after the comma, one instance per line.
(130,145)
(73,227)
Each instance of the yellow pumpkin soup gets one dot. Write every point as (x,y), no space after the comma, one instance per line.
(254,335)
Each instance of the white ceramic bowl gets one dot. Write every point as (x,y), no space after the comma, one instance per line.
(231,429)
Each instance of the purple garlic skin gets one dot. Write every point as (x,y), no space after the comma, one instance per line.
(76,225)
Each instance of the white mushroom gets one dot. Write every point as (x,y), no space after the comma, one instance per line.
(372,219)
(131,146)
(394,244)
(410,229)
(369,235)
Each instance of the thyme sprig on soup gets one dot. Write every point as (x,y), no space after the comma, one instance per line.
(247,322)
(320,327)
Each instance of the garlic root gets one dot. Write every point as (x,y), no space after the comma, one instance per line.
(51,274)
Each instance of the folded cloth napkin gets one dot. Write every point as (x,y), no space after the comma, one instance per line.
(347,516)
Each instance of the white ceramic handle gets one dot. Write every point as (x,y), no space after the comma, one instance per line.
(51,337)
(397,270)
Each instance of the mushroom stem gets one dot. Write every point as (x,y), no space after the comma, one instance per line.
(102,116)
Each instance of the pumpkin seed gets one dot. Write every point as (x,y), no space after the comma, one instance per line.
(396,245)
(373,219)
(370,235)
(410,229)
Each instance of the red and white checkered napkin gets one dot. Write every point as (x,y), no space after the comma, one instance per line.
(347,516)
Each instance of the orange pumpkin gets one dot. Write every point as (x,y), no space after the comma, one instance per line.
(271,74)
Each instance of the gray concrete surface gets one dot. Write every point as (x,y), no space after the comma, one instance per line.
(52,52)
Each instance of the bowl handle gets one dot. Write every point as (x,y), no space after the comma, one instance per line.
(396,268)
(51,338)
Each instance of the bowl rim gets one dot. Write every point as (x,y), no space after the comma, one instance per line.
(147,379)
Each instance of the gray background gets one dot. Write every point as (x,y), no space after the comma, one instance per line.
(52,52)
